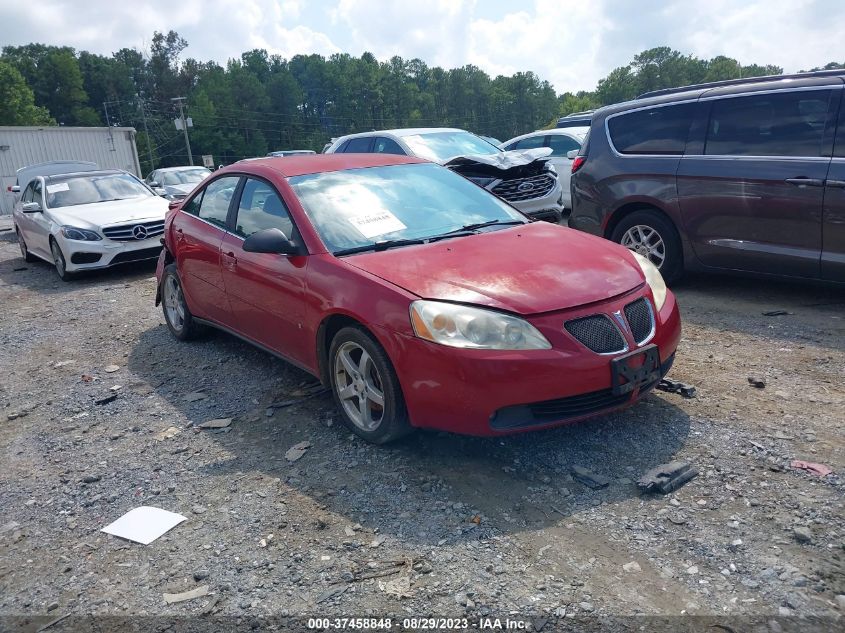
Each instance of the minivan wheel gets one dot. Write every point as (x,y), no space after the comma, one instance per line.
(654,237)
(27,256)
(365,387)
(178,317)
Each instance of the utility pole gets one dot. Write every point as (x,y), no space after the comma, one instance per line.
(179,102)
(146,133)
(108,124)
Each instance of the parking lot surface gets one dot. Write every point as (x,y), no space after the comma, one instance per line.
(435,524)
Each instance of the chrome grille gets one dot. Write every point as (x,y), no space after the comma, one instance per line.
(520,189)
(640,319)
(128,233)
(597,333)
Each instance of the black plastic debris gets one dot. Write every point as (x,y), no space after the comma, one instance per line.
(776,313)
(106,399)
(589,478)
(667,478)
(674,386)
(757,382)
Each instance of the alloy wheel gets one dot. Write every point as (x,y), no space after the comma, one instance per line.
(359,386)
(174,303)
(58,258)
(646,241)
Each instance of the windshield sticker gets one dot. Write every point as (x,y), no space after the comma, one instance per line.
(59,186)
(374,224)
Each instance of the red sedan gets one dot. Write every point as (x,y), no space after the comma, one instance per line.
(420,298)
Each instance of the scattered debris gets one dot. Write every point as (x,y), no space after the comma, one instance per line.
(330,593)
(198,509)
(776,313)
(91,479)
(667,478)
(199,592)
(296,451)
(674,386)
(803,534)
(633,566)
(820,470)
(106,399)
(377,541)
(305,395)
(200,574)
(19,269)
(52,622)
(63,363)
(8,527)
(476,519)
(144,524)
(218,423)
(590,479)
(348,531)
(399,587)
(195,396)
(756,381)
(110,369)
(87,378)
(167,433)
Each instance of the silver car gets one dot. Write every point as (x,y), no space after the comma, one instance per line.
(526,179)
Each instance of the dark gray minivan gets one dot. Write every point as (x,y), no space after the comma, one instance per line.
(742,175)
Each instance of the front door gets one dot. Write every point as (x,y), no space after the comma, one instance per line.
(833,227)
(266,290)
(752,200)
(198,229)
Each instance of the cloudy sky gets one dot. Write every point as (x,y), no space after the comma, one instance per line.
(572,43)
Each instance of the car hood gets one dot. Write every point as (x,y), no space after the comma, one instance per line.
(115,212)
(181,189)
(504,165)
(530,269)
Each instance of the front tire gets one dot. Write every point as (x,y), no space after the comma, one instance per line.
(178,317)
(59,261)
(365,387)
(27,256)
(653,236)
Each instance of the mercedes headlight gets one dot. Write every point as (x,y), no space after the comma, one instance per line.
(654,279)
(473,328)
(82,235)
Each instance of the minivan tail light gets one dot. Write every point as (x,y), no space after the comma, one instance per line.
(578,162)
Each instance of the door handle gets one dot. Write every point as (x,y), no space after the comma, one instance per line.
(806,182)
(835,183)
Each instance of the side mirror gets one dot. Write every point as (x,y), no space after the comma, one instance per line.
(572,154)
(270,241)
(153,183)
(31,207)
(174,204)
(13,189)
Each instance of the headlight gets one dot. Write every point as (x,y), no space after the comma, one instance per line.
(83,235)
(462,326)
(550,167)
(654,279)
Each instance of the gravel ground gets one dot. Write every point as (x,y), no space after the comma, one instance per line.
(436,524)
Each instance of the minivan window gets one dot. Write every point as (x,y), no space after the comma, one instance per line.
(659,130)
(773,124)
(358,145)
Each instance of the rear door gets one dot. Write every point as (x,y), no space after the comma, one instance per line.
(198,229)
(751,198)
(265,290)
(41,223)
(833,217)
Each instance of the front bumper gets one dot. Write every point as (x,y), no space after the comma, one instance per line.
(84,255)
(489,392)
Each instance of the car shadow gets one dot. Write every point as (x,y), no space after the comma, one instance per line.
(790,311)
(451,486)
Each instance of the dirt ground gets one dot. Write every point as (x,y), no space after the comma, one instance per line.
(435,525)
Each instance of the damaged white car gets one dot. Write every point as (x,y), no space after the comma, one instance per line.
(525,179)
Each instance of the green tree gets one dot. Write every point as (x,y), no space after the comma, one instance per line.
(17,102)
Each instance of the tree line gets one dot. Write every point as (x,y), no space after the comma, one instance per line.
(263,102)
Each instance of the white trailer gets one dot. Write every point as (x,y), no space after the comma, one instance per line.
(109,147)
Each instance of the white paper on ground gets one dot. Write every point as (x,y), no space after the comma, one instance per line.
(144,524)
(378,223)
(59,186)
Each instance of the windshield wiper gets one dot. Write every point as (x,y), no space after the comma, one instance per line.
(481,225)
(385,244)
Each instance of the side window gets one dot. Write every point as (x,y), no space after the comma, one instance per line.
(359,145)
(213,206)
(261,208)
(342,148)
(658,130)
(781,124)
(385,145)
(530,143)
(562,144)
(27,193)
(193,205)
(36,193)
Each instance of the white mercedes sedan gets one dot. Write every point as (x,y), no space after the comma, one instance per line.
(89,220)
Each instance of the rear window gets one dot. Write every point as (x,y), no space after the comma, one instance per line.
(779,124)
(659,130)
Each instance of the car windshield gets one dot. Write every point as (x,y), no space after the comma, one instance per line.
(183,176)
(360,207)
(68,192)
(441,146)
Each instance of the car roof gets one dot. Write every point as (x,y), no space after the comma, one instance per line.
(402,132)
(182,167)
(79,174)
(302,164)
(555,131)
